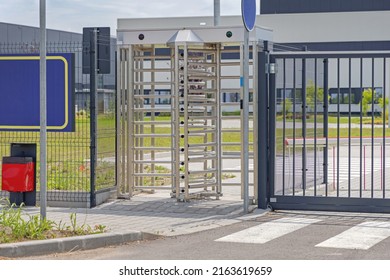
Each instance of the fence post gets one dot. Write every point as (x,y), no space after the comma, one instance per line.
(93,118)
(325,123)
(271,93)
(117,117)
(263,186)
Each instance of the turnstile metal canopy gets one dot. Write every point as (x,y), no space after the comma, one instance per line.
(226,35)
(185,36)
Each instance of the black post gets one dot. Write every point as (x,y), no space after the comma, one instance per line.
(93,111)
(116,120)
(263,129)
(326,106)
(271,128)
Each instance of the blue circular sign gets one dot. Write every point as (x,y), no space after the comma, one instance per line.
(248,10)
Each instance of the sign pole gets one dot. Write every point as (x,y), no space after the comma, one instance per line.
(245,128)
(43,112)
(248,10)
(217,12)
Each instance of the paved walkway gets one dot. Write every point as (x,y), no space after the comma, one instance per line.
(144,216)
(154,214)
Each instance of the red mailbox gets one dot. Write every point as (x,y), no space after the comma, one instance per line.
(18,174)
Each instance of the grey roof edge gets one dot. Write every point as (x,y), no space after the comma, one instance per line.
(153,23)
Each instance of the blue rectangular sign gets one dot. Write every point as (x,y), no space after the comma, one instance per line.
(19,92)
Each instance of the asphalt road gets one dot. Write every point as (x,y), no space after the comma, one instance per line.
(309,240)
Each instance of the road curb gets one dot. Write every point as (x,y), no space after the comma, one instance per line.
(69,244)
(256,213)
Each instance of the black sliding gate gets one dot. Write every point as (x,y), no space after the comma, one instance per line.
(327,131)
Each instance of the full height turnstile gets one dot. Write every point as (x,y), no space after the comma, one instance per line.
(173,88)
(197,85)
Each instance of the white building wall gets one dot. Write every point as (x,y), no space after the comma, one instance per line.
(313,27)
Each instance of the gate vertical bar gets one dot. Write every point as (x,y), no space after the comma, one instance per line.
(338,128)
(93,110)
(315,126)
(304,106)
(349,125)
(262,131)
(325,123)
(361,130)
(294,125)
(386,95)
(372,125)
(384,128)
(284,128)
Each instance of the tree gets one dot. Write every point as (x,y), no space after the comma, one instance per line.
(366,100)
(380,103)
(311,93)
(368,96)
(287,106)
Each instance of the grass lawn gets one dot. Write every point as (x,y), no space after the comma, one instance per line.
(355,132)
(334,119)
(69,153)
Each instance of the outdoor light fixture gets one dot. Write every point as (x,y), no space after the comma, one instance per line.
(229,34)
(141,36)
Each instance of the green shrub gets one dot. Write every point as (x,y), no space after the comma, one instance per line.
(17,226)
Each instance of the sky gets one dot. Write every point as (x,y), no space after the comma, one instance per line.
(73,15)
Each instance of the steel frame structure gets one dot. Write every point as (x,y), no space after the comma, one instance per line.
(185,150)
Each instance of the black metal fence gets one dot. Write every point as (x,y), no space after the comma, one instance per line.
(328,131)
(68,153)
